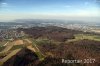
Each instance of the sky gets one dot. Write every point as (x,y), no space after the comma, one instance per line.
(49,9)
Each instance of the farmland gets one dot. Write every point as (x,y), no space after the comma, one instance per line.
(85,36)
(41,45)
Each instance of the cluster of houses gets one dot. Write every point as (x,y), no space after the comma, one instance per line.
(10,34)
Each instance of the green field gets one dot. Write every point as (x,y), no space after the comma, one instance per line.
(1,48)
(16,47)
(2,43)
(84,36)
(9,56)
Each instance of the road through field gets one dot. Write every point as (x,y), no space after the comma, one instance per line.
(10,55)
(5,44)
(8,45)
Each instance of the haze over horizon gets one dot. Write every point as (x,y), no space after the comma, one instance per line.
(86,10)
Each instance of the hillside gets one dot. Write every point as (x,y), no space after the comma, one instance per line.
(48,46)
(58,43)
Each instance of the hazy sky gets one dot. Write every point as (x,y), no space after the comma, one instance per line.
(45,9)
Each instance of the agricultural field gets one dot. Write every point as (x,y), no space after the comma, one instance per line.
(84,36)
(3,43)
(43,46)
(18,42)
